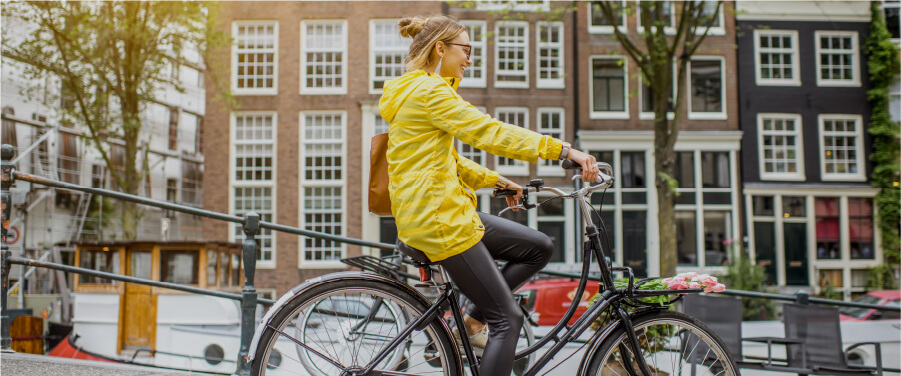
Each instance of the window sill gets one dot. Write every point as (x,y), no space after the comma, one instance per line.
(848,177)
(550,85)
(761,82)
(707,116)
(609,116)
(830,83)
(314,91)
(772,177)
(650,116)
(248,92)
(605,29)
(511,85)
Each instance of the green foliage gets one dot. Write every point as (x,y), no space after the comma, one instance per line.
(828,291)
(743,274)
(883,65)
(98,217)
(881,277)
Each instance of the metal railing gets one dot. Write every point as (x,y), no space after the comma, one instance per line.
(251,225)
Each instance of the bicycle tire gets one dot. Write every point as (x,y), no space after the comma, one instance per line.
(683,343)
(337,324)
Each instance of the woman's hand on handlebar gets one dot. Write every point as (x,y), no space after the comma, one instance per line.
(514,200)
(589,165)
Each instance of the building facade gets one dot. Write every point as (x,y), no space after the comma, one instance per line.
(804,112)
(52,217)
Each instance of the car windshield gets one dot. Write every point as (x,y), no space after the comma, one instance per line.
(858,312)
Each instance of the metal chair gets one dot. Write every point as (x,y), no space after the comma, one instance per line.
(820,350)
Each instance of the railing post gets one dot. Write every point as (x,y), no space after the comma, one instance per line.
(249,293)
(6,169)
(802,297)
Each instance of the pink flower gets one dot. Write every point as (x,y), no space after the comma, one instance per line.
(694,285)
(677,285)
(688,275)
(707,280)
(666,281)
(719,287)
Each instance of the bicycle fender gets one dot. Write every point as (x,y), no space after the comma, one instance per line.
(605,332)
(313,282)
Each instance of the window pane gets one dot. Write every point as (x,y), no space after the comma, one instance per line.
(715,169)
(717,236)
(686,237)
(860,221)
(211,261)
(763,205)
(635,249)
(179,266)
(706,86)
(608,85)
(633,169)
(104,261)
(793,206)
(140,263)
(556,230)
(827,227)
(608,236)
(597,16)
(685,169)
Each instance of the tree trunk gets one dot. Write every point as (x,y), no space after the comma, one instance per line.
(664,162)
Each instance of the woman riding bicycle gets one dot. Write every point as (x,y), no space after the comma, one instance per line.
(432,186)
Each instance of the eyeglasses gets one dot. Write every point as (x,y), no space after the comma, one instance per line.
(467,51)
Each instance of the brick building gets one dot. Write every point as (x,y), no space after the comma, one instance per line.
(307,78)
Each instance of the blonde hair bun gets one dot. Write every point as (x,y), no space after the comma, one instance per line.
(410,27)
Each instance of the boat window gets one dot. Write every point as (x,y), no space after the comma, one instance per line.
(104,261)
(211,261)
(179,266)
(223,270)
(236,272)
(139,264)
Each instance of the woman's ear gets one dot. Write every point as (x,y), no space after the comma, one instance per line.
(439,48)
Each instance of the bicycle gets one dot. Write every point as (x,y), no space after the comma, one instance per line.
(650,337)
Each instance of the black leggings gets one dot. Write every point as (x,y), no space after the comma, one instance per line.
(489,289)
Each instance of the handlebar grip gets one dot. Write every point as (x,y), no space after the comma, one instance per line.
(570,165)
(504,193)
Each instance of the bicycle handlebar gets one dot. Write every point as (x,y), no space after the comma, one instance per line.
(604,181)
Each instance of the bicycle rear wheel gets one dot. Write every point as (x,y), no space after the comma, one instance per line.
(348,323)
(672,343)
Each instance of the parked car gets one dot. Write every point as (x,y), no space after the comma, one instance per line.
(550,298)
(891,298)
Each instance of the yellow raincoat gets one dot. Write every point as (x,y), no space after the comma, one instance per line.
(430,184)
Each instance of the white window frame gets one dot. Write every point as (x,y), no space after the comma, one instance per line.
(520,168)
(483,156)
(717,30)
(855,58)
(497,51)
(624,114)
(723,76)
(796,60)
(402,49)
(478,53)
(513,5)
(304,183)
(550,83)
(592,29)
(306,90)
(551,167)
(233,183)
(234,60)
(860,175)
(799,143)
(644,115)
(669,30)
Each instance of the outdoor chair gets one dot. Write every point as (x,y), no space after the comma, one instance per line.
(723,315)
(820,348)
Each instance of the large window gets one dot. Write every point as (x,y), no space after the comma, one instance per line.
(180,267)
(706,88)
(322,179)
(777,57)
(646,96)
(892,11)
(704,208)
(717,21)
(323,57)
(551,123)
(511,67)
(255,57)
(386,52)
(780,147)
(192,176)
(841,143)
(838,58)
(518,116)
(68,161)
(609,89)
(550,55)
(104,261)
(253,176)
(599,23)
(475,73)
(668,16)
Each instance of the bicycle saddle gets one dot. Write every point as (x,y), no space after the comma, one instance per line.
(413,253)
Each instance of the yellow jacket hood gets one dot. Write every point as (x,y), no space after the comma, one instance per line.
(397,90)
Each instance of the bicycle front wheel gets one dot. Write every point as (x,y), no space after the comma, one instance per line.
(344,325)
(671,343)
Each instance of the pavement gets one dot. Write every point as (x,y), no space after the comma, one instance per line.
(19,364)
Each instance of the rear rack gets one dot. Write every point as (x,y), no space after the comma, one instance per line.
(380,266)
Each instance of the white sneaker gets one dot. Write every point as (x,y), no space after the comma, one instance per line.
(478,341)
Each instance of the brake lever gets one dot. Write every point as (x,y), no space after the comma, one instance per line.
(511,207)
